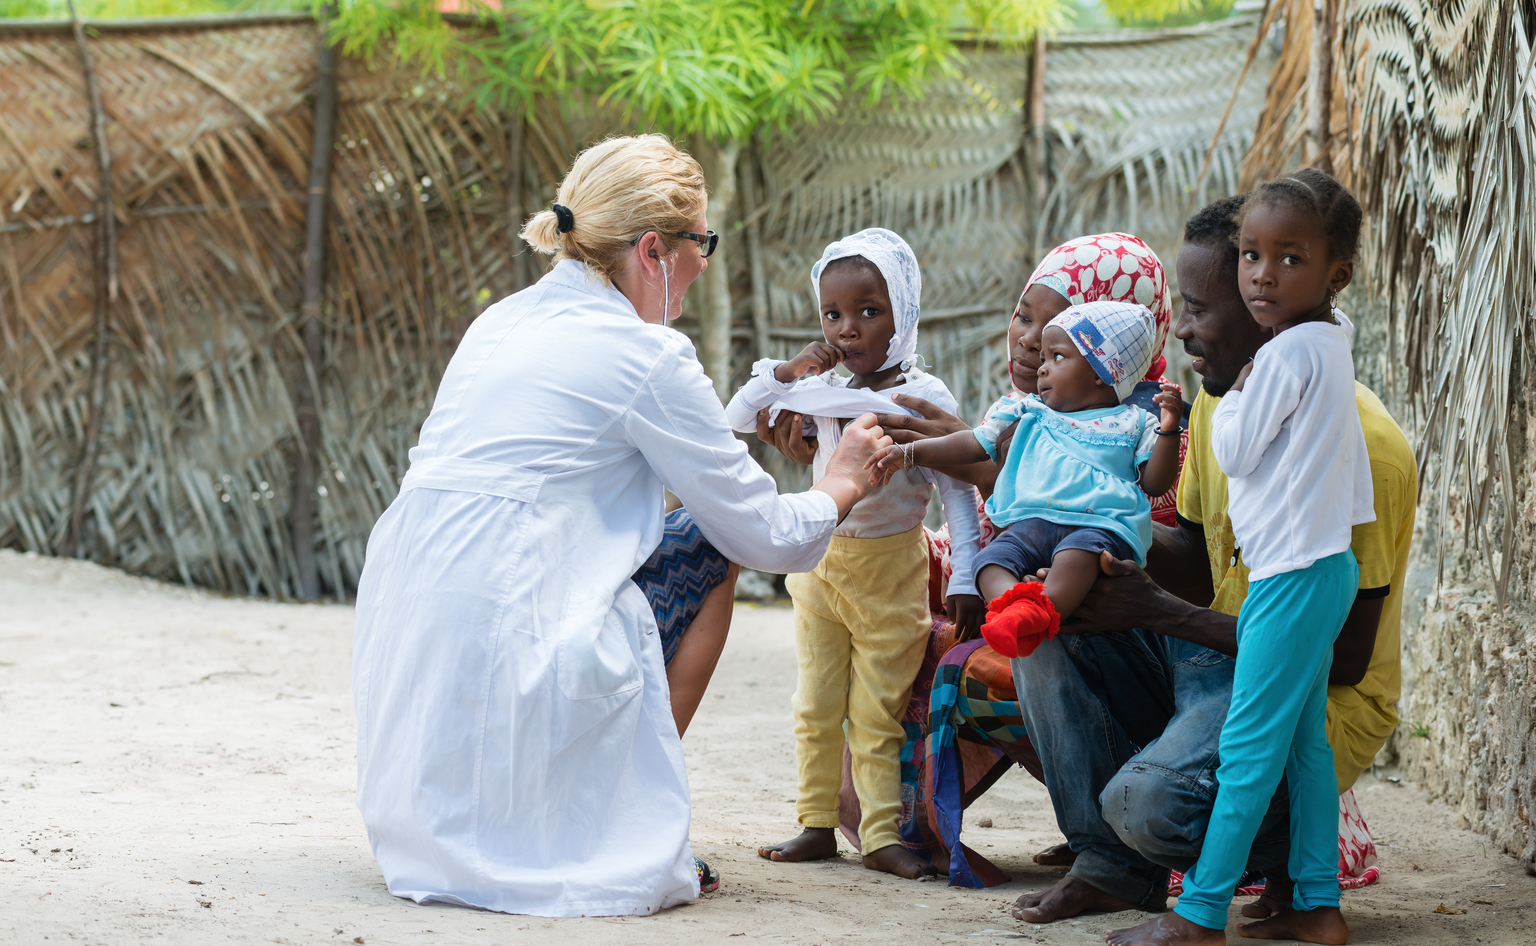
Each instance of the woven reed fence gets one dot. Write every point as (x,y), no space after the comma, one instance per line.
(209,126)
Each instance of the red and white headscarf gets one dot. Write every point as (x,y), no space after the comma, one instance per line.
(1112,267)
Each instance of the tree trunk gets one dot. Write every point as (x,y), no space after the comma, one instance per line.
(715,315)
(1320,81)
(751,210)
(306,473)
(105,296)
(1037,123)
(517,259)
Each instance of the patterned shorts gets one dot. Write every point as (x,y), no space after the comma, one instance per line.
(683,569)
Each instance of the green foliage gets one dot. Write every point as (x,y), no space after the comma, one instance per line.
(716,68)
(720,69)
(136,9)
(1166,12)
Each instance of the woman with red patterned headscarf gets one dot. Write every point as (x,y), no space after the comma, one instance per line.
(1104,267)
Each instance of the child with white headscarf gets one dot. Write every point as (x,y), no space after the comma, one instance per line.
(861,618)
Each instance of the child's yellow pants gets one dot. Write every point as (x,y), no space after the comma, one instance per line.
(861,628)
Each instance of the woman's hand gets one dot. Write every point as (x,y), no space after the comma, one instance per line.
(815,358)
(967,611)
(1171,404)
(787,436)
(845,479)
(935,422)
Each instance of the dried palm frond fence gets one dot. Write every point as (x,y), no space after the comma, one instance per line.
(209,126)
(1431,119)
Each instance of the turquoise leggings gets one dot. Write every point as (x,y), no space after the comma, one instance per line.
(1277,724)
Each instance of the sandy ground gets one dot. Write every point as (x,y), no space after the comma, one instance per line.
(177,767)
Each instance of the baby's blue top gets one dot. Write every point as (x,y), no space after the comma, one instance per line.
(1078,469)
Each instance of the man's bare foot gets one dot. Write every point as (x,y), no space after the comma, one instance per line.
(895,859)
(1057,855)
(1275,898)
(1170,929)
(1323,925)
(1068,897)
(812,844)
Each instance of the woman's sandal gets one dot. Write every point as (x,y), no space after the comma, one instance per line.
(709,881)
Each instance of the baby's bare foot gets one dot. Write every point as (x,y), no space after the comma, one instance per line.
(895,859)
(812,844)
(1323,925)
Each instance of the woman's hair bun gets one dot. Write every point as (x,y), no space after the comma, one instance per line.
(620,188)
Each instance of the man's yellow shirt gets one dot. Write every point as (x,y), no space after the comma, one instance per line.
(1360,717)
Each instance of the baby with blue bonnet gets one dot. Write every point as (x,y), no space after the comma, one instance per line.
(1076,471)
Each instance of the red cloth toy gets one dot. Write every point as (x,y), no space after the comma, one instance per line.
(1020,619)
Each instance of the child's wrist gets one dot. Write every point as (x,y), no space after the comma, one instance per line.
(785,368)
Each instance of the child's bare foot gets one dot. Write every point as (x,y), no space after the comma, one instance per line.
(1069,897)
(1276,897)
(812,844)
(895,859)
(1323,925)
(1170,929)
(1057,855)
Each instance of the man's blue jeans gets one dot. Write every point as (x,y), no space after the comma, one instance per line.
(1127,726)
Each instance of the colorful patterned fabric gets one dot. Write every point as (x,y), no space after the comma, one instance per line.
(1112,267)
(683,569)
(1116,338)
(1357,854)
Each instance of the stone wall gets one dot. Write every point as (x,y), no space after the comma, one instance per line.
(1468,730)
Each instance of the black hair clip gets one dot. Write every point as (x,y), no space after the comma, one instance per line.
(565,221)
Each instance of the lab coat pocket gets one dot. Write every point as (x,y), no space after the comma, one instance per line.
(595,657)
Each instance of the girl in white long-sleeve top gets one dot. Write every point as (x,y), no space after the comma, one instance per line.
(1288,437)
(861,617)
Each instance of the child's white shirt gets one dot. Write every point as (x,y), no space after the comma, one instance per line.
(899,505)
(1299,477)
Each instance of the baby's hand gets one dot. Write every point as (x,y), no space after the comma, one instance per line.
(886,463)
(1171,403)
(815,358)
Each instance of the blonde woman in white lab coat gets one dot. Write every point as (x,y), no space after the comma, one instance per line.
(518,740)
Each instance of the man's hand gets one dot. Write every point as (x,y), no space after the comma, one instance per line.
(1125,597)
(1242,376)
(967,611)
(1118,601)
(787,436)
(935,422)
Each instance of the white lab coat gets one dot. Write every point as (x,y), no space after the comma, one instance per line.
(516,749)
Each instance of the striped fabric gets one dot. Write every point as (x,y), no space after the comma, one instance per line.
(683,569)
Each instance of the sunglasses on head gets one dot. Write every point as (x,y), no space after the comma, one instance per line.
(707,240)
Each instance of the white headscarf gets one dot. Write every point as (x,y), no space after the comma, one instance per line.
(903,282)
